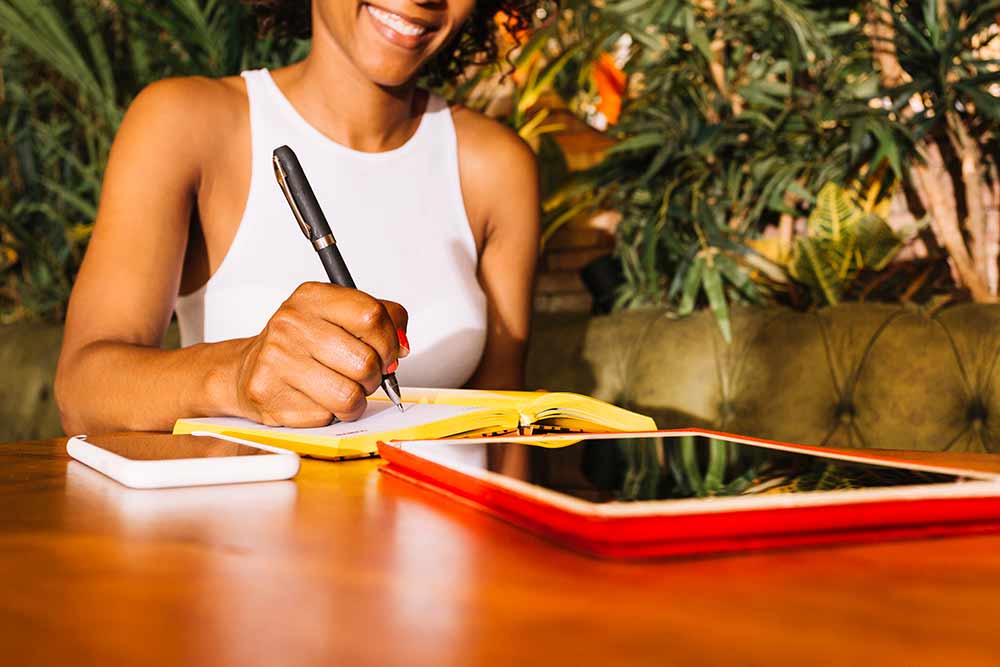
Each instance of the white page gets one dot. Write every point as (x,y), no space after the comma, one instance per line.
(379,417)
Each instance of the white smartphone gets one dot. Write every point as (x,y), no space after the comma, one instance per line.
(159,460)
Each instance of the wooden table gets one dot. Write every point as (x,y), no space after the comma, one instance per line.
(345,566)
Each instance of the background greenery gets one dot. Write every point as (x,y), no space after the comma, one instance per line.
(798,151)
(69,70)
(784,151)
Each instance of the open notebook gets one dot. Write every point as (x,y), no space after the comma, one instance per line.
(435,413)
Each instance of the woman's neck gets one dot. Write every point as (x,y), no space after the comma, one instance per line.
(333,96)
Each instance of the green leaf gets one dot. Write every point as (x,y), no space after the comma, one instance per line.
(796,189)
(877,242)
(986,103)
(737,278)
(717,300)
(656,164)
(692,282)
(638,142)
(834,214)
(810,264)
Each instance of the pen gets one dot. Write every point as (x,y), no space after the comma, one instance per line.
(312,222)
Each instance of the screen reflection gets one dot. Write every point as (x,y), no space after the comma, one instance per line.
(666,468)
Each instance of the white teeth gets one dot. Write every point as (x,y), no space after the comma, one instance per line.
(396,22)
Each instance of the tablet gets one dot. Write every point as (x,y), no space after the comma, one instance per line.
(669,493)
(158,460)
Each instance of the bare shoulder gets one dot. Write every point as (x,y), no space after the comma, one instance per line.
(192,100)
(185,116)
(498,170)
(485,142)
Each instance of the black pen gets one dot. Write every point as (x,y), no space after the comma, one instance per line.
(313,224)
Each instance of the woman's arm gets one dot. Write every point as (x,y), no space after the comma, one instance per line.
(318,356)
(500,185)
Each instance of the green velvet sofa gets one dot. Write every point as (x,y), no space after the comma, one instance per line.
(858,375)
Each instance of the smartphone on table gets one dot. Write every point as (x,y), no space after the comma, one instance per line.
(159,460)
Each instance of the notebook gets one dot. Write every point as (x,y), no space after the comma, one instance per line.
(435,413)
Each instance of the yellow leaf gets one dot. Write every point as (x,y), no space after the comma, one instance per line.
(79,233)
(772,248)
(8,257)
(876,200)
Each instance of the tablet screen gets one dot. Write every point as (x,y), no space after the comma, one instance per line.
(162,446)
(668,468)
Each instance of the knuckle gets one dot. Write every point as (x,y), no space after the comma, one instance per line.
(348,397)
(372,314)
(306,291)
(270,356)
(368,364)
(258,388)
(284,321)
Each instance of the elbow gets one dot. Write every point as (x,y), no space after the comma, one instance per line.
(68,401)
(71,422)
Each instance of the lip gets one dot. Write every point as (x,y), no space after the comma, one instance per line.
(398,38)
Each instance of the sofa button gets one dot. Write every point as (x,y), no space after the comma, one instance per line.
(845,411)
(976,413)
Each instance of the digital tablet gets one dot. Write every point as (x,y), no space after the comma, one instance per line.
(667,493)
(158,460)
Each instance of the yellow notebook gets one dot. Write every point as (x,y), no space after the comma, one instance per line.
(435,413)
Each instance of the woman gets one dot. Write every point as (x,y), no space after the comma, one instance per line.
(434,209)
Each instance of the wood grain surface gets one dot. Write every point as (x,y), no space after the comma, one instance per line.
(344,566)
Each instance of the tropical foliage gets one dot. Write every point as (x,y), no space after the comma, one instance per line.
(69,70)
(752,127)
(792,151)
(843,237)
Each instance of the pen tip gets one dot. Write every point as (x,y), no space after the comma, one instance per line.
(391,388)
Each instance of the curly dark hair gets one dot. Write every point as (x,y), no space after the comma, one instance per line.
(475,44)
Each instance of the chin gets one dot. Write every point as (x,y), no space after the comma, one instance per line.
(387,72)
(390,40)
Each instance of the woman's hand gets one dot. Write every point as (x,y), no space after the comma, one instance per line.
(323,351)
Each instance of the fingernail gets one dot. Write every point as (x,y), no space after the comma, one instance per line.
(392,367)
(404,344)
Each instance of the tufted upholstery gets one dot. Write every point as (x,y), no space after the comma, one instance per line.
(858,375)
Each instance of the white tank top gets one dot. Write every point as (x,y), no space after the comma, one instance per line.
(399,220)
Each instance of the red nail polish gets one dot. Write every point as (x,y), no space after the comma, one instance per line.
(392,367)
(401,334)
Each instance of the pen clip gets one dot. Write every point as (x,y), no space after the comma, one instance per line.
(279,173)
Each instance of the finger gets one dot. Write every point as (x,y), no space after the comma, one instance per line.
(365,317)
(343,353)
(290,407)
(339,395)
(399,316)
(401,319)
(356,312)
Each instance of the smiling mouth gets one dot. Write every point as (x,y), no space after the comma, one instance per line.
(396,28)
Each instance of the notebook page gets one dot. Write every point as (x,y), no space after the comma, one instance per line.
(378,418)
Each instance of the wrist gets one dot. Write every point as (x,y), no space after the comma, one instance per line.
(221,380)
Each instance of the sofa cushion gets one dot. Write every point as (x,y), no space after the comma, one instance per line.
(857,375)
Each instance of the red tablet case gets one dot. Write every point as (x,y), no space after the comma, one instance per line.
(709,532)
